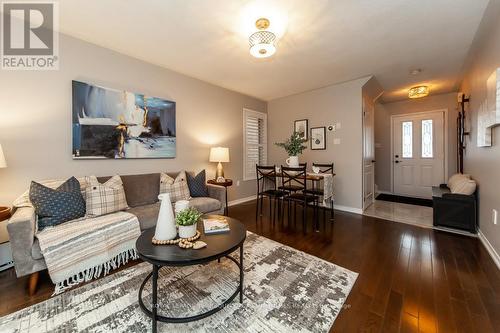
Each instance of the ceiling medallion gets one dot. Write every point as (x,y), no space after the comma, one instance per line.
(262,41)
(418,92)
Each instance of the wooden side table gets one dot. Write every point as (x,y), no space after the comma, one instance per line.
(4,213)
(226,184)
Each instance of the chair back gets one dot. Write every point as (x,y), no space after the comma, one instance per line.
(266,175)
(324,167)
(294,176)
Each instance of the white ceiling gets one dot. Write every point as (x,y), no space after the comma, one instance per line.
(322,42)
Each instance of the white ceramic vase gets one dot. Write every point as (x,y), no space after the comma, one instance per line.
(292,161)
(165,225)
(186,231)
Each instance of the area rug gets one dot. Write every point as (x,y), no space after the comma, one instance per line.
(285,291)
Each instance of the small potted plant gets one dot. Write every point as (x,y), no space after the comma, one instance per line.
(187,220)
(294,146)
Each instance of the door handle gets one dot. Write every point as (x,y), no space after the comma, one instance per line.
(373,161)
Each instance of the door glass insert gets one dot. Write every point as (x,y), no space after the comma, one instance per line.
(407,133)
(427,138)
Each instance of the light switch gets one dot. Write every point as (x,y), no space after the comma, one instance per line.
(336,141)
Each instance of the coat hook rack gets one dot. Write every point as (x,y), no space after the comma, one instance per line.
(461,132)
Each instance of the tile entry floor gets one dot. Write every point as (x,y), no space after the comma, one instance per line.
(400,212)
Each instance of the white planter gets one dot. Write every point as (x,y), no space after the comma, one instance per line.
(165,225)
(186,231)
(292,161)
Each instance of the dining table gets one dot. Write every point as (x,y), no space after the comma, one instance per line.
(316,179)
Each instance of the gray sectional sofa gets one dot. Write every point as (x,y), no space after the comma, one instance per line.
(141,192)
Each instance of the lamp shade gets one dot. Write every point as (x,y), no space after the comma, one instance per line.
(219,154)
(3,162)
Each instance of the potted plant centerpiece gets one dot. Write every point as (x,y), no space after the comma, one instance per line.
(294,146)
(187,221)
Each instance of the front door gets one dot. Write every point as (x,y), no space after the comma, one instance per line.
(418,153)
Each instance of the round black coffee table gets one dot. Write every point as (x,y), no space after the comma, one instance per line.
(218,246)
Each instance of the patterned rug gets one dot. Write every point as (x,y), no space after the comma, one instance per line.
(285,291)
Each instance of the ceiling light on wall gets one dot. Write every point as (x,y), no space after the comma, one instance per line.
(262,41)
(418,91)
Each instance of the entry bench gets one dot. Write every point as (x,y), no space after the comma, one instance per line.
(453,210)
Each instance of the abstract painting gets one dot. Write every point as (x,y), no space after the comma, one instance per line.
(117,124)
(488,115)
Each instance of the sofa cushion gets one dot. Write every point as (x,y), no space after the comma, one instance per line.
(141,189)
(177,188)
(24,199)
(205,204)
(105,198)
(56,206)
(197,185)
(36,252)
(147,214)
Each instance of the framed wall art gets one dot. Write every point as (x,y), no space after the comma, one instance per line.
(318,138)
(301,127)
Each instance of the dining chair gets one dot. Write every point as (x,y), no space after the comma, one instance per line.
(323,168)
(295,179)
(292,187)
(266,187)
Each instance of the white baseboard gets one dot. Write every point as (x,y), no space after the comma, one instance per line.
(348,209)
(241,200)
(336,207)
(494,255)
(384,192)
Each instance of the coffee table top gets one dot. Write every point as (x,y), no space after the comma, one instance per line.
(218,245)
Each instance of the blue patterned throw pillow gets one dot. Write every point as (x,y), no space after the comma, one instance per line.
(197,185)
(54,207)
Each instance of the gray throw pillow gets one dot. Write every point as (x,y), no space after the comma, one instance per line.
(57,206)
(197,185)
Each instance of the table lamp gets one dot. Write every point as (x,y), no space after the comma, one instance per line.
(3,163)
(219,155)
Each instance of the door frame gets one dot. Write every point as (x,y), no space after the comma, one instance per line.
(446,128)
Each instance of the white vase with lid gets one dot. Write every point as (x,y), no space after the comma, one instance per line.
(165,225)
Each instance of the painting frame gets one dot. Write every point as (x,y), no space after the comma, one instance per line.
(318,138)
(109,123)
(301,126)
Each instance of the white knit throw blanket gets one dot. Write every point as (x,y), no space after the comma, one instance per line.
(84,249)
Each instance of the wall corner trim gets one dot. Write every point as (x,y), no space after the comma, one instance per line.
(494,255)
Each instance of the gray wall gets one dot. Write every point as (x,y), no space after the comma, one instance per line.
(383,113)
(484,163)
(35,119)
(323,107)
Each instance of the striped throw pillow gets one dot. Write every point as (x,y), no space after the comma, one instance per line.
(178,187)
(105,198)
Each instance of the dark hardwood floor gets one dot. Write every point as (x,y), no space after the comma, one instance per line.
(410,279)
